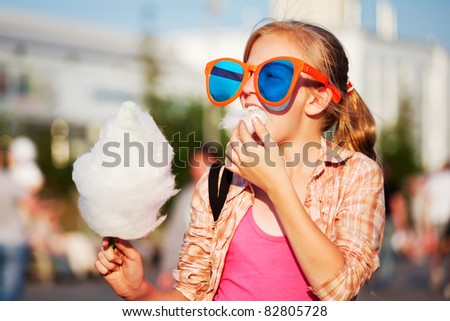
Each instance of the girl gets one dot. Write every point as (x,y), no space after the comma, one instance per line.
(304,215)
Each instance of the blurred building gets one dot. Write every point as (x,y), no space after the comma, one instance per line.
(389,71)
(54,69)
(64,74)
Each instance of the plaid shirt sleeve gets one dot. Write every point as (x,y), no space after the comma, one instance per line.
(357,228)
(194,266)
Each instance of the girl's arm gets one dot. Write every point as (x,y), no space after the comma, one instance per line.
(338,264)
(318,256)
(123,270)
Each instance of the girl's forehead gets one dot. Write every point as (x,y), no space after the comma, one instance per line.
(272,45)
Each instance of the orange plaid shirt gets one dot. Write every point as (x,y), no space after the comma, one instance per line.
(345,200)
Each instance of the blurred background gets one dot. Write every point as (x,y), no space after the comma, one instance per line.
(67,66)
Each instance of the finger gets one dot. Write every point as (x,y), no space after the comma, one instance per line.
(118,247)
(126,248)
(231,153)
(108,242)
(235,144)
(112,254)
(244,133)
(261,130)
(272,149)
(105,243)
(234,138)
(108,264)
(249,151)
(102,270)
(232,159)
(232,167)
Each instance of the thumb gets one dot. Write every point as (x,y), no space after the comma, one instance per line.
(126,248)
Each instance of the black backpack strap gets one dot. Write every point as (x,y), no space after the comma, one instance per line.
(218,195)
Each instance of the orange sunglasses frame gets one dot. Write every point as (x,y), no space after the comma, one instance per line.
(299,67)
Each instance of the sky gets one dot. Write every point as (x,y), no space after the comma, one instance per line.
(418,20)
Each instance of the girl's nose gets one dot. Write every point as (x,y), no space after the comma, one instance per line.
(249,86)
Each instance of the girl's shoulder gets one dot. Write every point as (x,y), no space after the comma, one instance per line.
(359,159)
(362,167)
(339,156)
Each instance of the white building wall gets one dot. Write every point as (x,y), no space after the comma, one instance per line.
(183,57)
(330,13)
(79,75)
(388,71)
(435,110)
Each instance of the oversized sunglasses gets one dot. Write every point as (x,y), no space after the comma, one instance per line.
(275,79)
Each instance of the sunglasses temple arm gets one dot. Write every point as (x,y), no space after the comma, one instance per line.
(336,93)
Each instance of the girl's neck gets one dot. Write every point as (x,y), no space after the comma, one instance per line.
(301,154)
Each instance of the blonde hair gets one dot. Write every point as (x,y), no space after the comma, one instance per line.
(354,124)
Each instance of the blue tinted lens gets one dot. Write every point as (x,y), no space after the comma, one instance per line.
(275,79)
(225,80)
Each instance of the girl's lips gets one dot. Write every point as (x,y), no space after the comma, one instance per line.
(257,110)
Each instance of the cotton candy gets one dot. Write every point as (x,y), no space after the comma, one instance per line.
(126,177)
(232,118)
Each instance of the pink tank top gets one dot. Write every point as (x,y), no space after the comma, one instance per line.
(261,267)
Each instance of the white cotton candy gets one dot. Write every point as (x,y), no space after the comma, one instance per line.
(232,118)
(122,186)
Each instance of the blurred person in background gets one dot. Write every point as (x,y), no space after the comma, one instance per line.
(199,161)
(49,261)
(386,271)
(19,179)
(414,186)
(437,214)
(49,243)
(446,252)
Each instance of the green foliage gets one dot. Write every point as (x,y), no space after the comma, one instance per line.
(58,181)
(181,124)
(180,119)
(397,147)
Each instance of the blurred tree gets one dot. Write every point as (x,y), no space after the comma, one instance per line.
(58,181)
(397,148)
(151,69)
(180,119)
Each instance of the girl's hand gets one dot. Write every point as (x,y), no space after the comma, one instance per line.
(261,162)
(122,269)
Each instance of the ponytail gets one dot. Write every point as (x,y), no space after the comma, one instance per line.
(356,128)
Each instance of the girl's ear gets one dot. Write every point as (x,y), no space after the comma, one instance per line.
(318,101)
